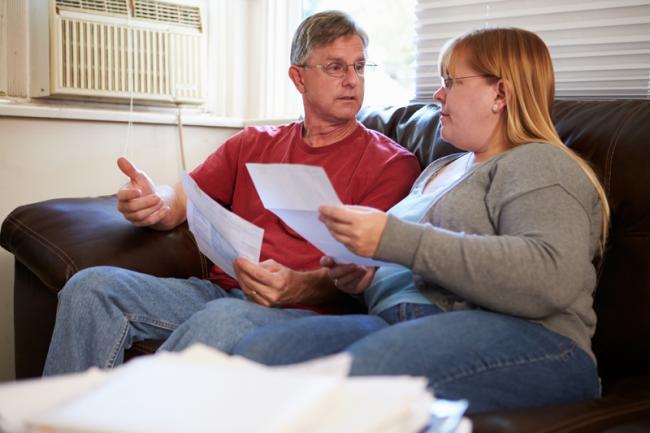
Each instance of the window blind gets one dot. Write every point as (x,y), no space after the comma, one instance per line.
(600,49)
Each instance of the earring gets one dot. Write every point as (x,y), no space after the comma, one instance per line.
(495,108)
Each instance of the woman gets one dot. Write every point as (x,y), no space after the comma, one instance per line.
(493,301)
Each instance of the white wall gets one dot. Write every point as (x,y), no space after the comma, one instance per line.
(42,159)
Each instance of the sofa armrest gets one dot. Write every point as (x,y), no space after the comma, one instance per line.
(56,238)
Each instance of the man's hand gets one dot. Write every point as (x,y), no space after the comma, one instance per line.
(269,283)
(359,228)
(138,200)
(349,278)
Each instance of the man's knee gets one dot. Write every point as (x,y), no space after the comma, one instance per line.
(89,284)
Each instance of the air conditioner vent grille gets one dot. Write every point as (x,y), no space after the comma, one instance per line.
(97,53)
(116,61)
(153,10)
(109,7)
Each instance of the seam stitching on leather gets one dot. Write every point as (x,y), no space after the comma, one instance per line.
(611,150)
(67,260)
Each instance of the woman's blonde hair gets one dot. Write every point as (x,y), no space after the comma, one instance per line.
(521,59)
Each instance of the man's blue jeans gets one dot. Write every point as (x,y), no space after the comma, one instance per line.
(493,360)
(102,311)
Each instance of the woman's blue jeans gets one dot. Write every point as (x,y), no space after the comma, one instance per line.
(493,360)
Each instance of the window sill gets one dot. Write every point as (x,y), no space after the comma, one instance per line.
(153,115)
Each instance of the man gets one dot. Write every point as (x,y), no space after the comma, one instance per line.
(102,311)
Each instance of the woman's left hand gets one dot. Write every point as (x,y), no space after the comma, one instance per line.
(359,228)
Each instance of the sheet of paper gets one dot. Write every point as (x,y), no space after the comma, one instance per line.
(337,365)
(220,234)
(165,395)
(202,390)
(293,186)
(294,193)
(23,399)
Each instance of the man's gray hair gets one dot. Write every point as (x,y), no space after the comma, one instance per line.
(321,29)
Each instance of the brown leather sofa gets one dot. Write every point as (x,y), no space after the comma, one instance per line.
(52,240)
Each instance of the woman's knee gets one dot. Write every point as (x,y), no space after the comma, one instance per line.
(232,307)
(221,324)
(305,338)
(219,315)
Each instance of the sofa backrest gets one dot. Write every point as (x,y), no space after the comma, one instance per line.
(614,136)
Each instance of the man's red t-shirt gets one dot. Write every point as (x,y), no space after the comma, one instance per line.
(366,168)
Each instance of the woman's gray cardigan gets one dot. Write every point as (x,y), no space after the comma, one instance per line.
(517,235)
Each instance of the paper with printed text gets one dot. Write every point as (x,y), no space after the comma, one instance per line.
(220,234)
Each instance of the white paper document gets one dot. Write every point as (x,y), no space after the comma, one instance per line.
(203,390)
(294,193)
(220,234)
(25,398)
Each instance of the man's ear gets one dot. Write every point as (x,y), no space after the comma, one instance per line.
(295,74)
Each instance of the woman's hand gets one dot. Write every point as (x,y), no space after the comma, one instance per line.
(358,228)
(348,278)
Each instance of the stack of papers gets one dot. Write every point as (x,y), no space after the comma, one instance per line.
(202,390)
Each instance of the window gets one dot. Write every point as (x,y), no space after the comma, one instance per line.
(599,49)
(249,46)
(390,25)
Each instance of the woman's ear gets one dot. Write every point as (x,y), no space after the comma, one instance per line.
(502,96)
(295,74)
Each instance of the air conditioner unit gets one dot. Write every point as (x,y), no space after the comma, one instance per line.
(117,49)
